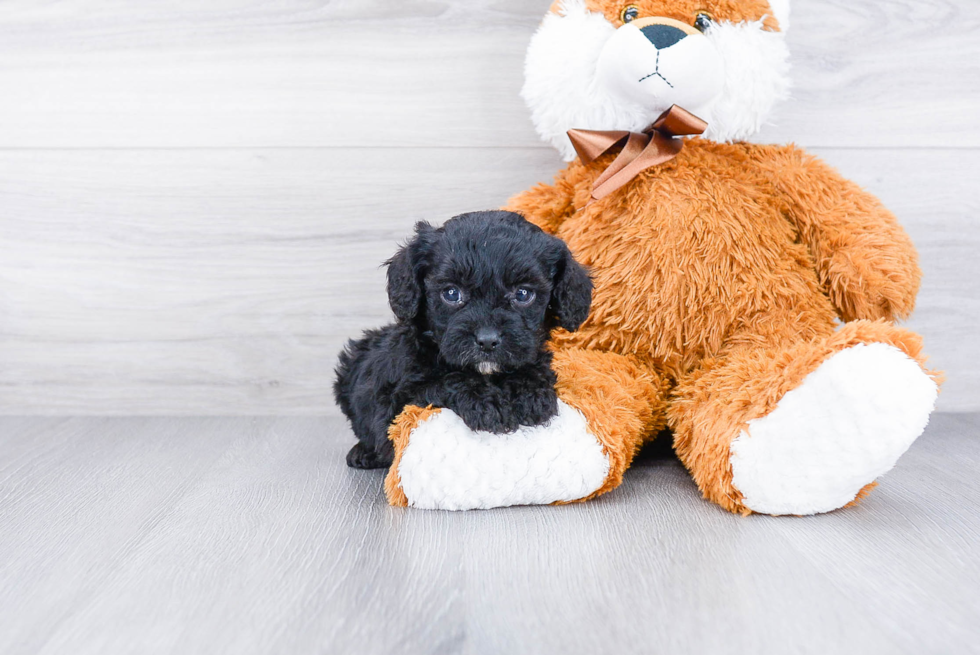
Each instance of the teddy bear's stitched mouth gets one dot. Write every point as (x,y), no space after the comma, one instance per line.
(656,73)
(666,81)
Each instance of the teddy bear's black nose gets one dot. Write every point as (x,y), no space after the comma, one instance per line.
(663,36)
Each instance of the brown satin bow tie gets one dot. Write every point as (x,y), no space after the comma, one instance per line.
(655,145)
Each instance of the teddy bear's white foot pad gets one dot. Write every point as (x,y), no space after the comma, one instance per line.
(448,466)
(844,426)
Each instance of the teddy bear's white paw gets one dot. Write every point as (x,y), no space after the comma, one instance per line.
(844,426)
(448,466)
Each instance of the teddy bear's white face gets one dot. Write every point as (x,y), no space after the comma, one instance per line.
(659,62)
(595,64)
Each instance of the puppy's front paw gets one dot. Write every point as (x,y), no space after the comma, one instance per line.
(487,417)
(520,411)
(365,457)
(539,408)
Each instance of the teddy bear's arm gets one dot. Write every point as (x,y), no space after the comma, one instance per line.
(609,406)
(865,260)
(546,205)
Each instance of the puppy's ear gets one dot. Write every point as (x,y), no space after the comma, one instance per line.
(571,295)
(406,270)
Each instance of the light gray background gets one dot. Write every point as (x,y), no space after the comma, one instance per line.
(195,196)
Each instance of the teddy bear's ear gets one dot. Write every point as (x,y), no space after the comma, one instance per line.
(406,271)
(780,9)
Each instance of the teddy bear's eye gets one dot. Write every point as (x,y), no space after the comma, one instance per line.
(703,21)
(629,13)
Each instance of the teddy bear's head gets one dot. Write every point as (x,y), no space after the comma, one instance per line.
(619,64)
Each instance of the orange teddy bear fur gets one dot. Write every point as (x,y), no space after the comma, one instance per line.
(724,337)
(719,277)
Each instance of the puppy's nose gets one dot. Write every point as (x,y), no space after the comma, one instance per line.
(663,36)
(488,338)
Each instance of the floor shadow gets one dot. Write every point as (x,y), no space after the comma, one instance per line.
(659,450)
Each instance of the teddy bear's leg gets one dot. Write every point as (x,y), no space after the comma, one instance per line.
(623,401)
(806,427)
(609,405)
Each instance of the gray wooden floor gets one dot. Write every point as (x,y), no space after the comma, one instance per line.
(249,535)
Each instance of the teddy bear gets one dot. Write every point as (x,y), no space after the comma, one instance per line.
(745,295)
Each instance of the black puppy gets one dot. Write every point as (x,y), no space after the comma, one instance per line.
(476,301)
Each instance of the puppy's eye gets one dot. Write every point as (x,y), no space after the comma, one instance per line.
(629,13)
(703,21)
(524,296)
(453,296)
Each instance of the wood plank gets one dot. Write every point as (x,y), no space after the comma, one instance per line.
(209,282)
(699,580)
(429,72)
(251,536)
(930,193)
(280,548)
(880,74)
(225,282)
(76,498)
(919,500)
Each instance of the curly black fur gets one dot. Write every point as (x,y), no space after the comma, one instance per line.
(475,303)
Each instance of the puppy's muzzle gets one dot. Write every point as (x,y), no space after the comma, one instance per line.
(488,339)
